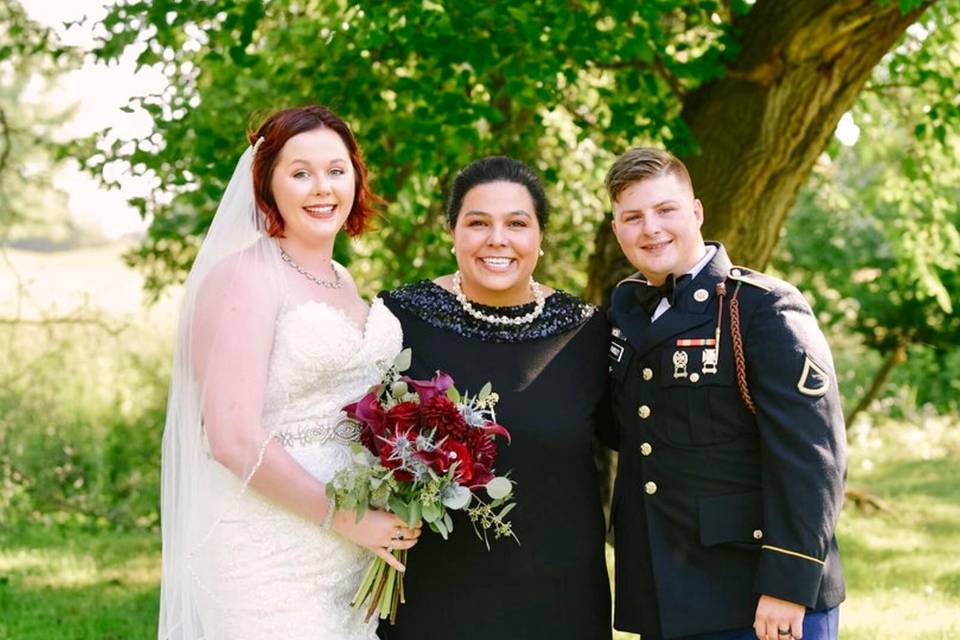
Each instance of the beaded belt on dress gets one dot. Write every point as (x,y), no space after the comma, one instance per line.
(318,431)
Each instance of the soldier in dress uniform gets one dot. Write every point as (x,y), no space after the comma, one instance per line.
(732,455)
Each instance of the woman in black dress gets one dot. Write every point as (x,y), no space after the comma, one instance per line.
(544,352)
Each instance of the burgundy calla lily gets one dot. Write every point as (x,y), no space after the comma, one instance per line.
(427,389)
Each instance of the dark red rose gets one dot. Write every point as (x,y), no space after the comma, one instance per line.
(441,414)
(428,389)
(444,457)
(403,417)
(482,448)
(436,460)
(458,453)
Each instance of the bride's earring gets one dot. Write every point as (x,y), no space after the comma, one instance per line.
(541,253)
(453,250)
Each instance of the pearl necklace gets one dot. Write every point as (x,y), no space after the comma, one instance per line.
(338,282)
(500,320)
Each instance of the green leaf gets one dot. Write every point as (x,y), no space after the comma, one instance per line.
(415,513)
(484,392)
(432,512)
(453,395)
(456,497)
(499,488)
(403,360)
(399,507)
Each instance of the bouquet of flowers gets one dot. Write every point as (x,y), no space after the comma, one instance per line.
(425,449)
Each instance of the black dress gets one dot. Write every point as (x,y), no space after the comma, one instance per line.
(550,375)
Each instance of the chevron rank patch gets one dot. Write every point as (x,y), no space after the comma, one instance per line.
(814,381)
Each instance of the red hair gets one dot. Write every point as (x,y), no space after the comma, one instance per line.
(280,127)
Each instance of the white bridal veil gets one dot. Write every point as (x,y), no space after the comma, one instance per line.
(233,294)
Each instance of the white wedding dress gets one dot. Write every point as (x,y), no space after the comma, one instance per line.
(263,573)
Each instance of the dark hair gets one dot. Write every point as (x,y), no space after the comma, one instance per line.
(639,164)
(496,169)
(280,127)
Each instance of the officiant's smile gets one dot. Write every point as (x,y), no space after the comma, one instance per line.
(497,239)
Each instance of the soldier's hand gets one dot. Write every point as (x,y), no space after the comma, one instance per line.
(778,619)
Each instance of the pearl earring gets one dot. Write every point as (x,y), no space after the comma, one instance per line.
(541,253)
(453,250)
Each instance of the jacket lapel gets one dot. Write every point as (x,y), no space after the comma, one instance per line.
(686,314)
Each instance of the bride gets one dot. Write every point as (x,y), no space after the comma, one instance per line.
(273,340)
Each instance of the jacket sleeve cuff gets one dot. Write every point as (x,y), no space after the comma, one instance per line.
(789,575)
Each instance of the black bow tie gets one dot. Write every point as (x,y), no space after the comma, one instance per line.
(649,295)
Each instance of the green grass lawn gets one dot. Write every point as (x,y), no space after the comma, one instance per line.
(902,565)
(73,585)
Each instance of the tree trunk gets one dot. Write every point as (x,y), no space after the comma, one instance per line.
(898,355)
(761,126)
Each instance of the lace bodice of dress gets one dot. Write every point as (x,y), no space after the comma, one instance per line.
(264,572)
(322,361)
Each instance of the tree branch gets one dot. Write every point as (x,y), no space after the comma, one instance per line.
(895,357)
(762,125)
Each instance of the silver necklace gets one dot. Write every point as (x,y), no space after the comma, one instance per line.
(500,320)
(336,284)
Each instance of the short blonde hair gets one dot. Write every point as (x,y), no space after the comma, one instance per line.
(642,163)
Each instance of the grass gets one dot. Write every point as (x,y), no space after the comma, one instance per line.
(74,585)
(902,566)
(80,419)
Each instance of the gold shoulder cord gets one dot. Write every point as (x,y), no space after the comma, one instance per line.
(739,360)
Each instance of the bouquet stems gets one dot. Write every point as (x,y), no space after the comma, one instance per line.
(381,589)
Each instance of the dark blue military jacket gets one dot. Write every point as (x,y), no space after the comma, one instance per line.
(714,504)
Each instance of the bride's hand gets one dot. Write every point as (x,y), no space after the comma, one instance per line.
(379,531)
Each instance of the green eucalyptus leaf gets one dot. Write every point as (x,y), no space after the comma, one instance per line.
(499,488)
(456,497)
(403,360)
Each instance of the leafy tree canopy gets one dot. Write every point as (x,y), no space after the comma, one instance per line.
(874,237)
(30,56)
(428,87)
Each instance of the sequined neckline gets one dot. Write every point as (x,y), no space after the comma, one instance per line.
(439,308)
